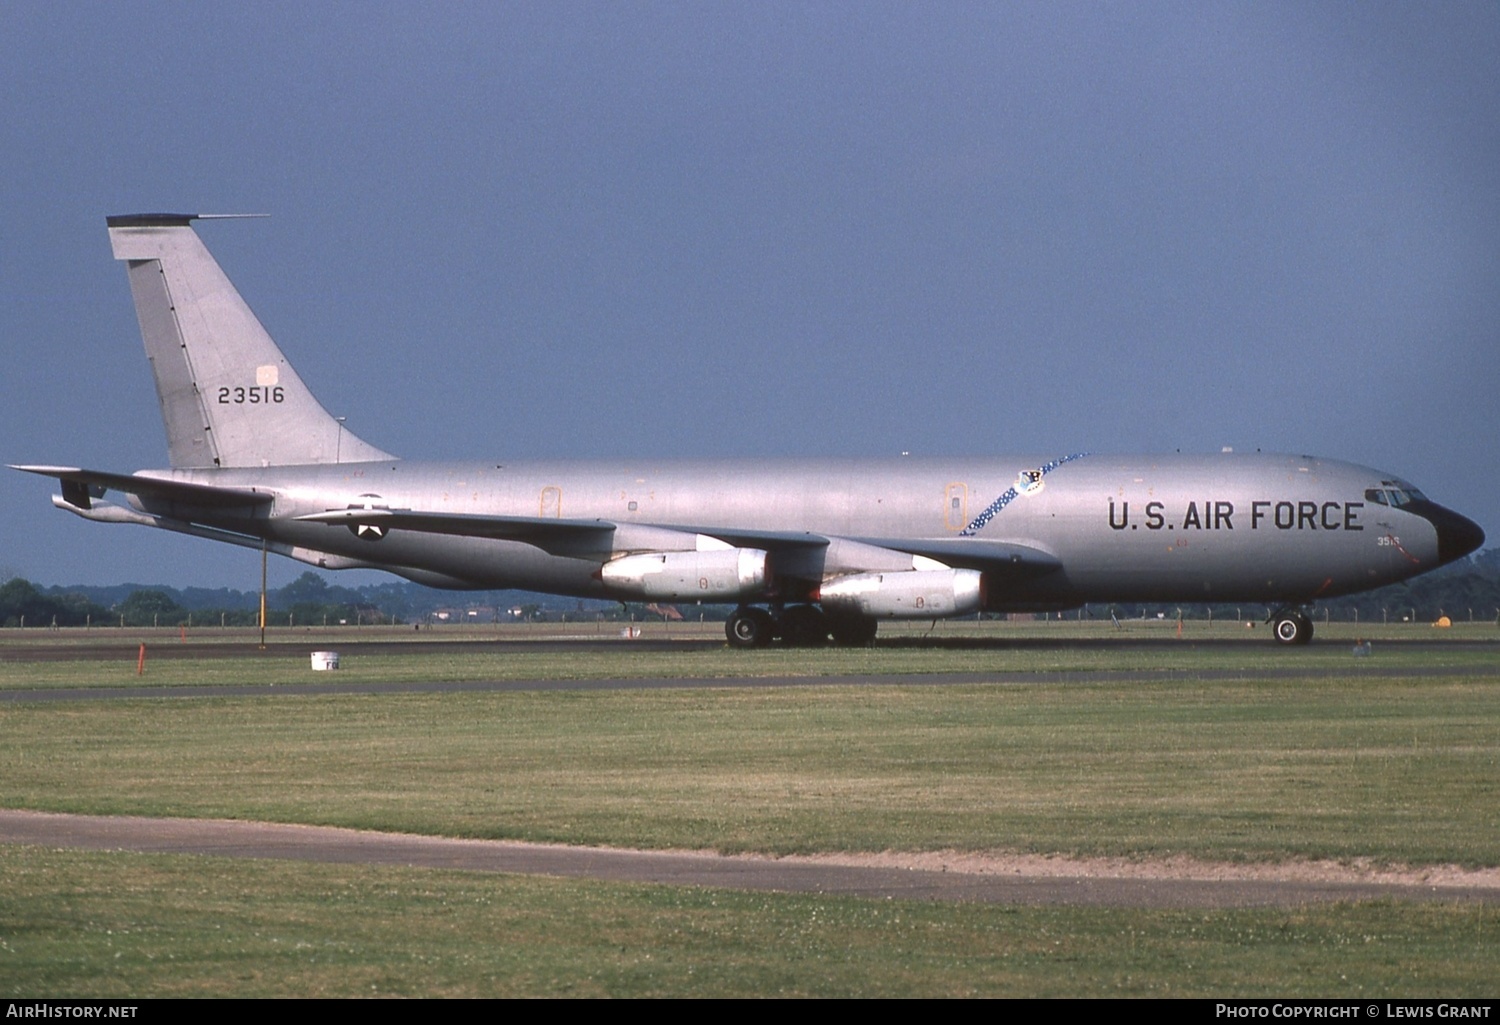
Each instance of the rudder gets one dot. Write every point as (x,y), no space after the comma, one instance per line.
(228,395)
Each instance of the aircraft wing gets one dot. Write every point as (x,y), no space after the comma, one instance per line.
(1013,559)
(770,540)
(1009,558)
(80,486)
(551,534)
(592,537)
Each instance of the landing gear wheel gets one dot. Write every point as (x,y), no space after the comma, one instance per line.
(749,628)
(853,631)
(804,626)
(1292,628)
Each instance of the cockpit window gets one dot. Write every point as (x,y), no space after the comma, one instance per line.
(1394,494)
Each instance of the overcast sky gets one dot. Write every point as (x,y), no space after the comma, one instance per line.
(554,230)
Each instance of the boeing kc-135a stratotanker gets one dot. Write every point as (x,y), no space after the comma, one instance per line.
(806,548)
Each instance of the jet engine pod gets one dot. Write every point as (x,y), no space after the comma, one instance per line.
(723,574)
(911,594)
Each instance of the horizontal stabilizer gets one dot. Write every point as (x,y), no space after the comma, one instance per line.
(86,483)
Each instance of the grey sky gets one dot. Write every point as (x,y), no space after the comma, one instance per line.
(554,230)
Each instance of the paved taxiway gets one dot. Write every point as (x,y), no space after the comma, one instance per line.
(166,645)
(222,838)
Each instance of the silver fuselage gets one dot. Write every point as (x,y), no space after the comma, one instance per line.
(1215,528)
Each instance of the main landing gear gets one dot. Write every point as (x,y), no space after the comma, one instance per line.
(1291,626)
(749,627)
(798,626)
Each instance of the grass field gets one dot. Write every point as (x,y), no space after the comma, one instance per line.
(81,924)
(1393,770)
(1248,768)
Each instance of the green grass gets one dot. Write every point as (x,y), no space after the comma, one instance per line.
(1399,770)
(1394,770)
(970,648)
(127,925)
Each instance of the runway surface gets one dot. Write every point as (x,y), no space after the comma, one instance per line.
(222,838)
(166,645)
(333,683)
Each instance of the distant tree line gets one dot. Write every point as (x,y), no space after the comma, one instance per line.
(1463,590)
(22,602)
(308,600)
(1469,588)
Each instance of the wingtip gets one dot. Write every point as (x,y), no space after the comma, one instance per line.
(45,471)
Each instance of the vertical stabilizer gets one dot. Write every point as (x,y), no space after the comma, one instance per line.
(228,396)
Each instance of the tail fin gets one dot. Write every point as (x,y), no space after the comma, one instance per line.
(228,396)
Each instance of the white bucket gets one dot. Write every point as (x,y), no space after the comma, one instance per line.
(322,660)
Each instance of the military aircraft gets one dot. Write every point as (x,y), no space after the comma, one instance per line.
(806,548)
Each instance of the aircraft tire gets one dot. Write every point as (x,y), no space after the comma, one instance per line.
(804,626)
(853,631)
(749,627)
(1293,628)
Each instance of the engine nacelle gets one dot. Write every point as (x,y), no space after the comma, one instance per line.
(718,575)
(913,594)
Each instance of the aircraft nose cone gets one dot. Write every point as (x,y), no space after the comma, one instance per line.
(1457,535)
